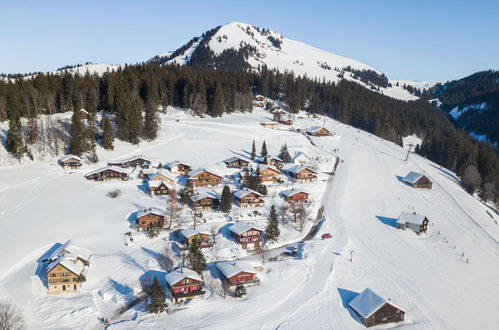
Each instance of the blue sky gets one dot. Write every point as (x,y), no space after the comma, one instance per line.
(417,40)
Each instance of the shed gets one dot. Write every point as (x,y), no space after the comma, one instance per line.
(374,309)
(417,222)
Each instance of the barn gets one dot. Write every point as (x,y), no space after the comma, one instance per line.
(372,309)
(417,180)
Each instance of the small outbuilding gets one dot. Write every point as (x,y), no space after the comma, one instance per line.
(417,180)
(417,222)
(372,309)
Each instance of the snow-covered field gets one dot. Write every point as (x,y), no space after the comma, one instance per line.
(41,205)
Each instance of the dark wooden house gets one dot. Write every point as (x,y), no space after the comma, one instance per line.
(275,162)
(134,162)
(148,218)
(372,309)
(184,284)
(234,275)
(108,173)
(302,174)
(248,198)
(203,201)
(417,180)
(70,162)
(249,236)
(318,131)
(268,173)
(295,196)
(236,162)
(204,178)
(159,187)
(189,236)
(416,222)
(179,168)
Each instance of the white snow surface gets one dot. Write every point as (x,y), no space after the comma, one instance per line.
(427,276)
(293,56)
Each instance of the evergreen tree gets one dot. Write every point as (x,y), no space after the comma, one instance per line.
(284,154)
(264,152)
(107,134)
(253,151)
(186,193)
(151,123)
(157,298)
(196,258)
(77,145)
(272,230)
(240,291)
(14,143)
(218,104)
(226,200)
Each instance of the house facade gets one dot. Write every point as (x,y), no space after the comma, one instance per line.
(302,174)
(372,309)
(159,187)
(190,236)
(268,173)
(236,162)
(70,162)
(108,174)
(295,196)
(203,201)
(248,198)
(134,162)
(318,131)
(275,162)
(234,275)
(418,180)
(249,236)
(179,168)
(204,178)
(184,284)
(416,222)
(148,218)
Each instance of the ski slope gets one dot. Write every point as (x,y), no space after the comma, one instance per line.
(41,205)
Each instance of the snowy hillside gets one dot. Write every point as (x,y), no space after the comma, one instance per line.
(272,49)
(446,279)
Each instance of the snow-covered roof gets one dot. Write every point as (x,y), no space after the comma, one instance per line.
(276,158)
(157,183)
(177,275)
(164,173)
(73,265)
(176,163)
(314,129)
(68,157)
(406,217)
(412,177)
(123,161)
(112,168)
(291,192)
(270,122)
(189,232)
(230,268)
(148,171)
(233,159)
(203,194)
(299,168)
(151,210)
(244,192)
(265,166)
(201,170)
(300,155)
(241,227)
(368,302)
(72,250)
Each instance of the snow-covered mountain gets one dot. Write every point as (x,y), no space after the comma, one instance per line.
(243,46)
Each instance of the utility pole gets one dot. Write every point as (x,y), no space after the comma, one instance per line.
(351,255)
(408,151)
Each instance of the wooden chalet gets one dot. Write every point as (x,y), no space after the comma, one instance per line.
(318,131)
(268,173)
(270,124)
(234,275)
(159,187)
(70,162)
(295,196)
(148,218)
(179,168)
(248,198)
(302,174)
(162,176)
(259,98)
(276,162)
(134,162)
(203,201)
(417,180)
(184,284)
(66,268)
(301,158)
(204,178)
(249,236)
(372,309)
(416,222)
(189,236)
(144,173)
(108,173)
(236,162)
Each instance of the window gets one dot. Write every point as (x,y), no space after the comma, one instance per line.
(64,274)
(53,280)
(53,274)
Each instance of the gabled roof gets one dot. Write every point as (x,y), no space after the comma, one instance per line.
(244,192)
(157,183)
(203,194)
(262,167)
(72,250)
(406,217)
(68,157)
(151,210)
(111,168)
(233,159)
(299,168)
(368,302)
(189,232)
(176,275)
(412,177)
(73,265)
(176,163)
(276,158)
(165,173)
(201,170)
(230,268)
(292,192)
(241,227)
(123,161)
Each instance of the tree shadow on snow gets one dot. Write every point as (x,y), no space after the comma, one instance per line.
(392,222)
(123,289)
(346,297)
